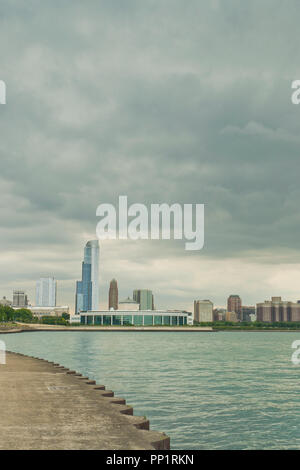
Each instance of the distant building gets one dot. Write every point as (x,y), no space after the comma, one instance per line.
(145,298)
(277,310)
(87,290)
(129,304)
(46,292)
(231,316)
(136,318)
(247,311)
(113,297)
(20,299)
(234,304)
(203,311)
(5,302)
(40,312)
(219,314)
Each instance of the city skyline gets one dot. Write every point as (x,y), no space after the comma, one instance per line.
(212,287)
(87,296)
(143,297)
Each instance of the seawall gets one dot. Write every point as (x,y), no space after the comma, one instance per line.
(47,406)
(30,327)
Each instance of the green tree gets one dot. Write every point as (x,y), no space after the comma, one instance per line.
(23,315)
(6,313)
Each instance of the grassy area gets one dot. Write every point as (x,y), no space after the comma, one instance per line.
(8,326)
(252,326)
(134,326)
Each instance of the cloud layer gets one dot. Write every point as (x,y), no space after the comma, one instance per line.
(164,101)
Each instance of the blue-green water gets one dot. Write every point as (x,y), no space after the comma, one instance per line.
(231,390)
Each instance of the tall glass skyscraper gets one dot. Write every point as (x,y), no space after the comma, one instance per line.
(87,290)
(46,292)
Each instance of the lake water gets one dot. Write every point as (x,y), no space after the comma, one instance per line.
(223,390)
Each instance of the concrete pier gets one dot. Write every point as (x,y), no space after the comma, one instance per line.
(46,406)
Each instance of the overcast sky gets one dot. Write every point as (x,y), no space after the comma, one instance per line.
(163,101)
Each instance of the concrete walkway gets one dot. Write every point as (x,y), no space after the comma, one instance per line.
(45,406)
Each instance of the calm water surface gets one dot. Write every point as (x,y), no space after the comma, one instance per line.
(220,390)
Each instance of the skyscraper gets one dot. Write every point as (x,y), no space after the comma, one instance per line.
(113,297)
(145,298)
(203,311)
(87,290)
(46,292)
(234,304)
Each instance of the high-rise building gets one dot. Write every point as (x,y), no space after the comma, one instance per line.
(113,297)
(20,299)
(234,304)
(46,292)
(203,311)
(87,290)
(247,311)
(145,298)
(275,310)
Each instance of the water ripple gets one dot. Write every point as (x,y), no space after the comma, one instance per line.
(207,391)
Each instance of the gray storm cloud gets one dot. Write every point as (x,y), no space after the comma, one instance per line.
(164,101)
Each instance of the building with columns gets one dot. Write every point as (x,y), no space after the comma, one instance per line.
(135,318)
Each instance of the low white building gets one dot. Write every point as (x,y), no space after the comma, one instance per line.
(129,304)
(134,318)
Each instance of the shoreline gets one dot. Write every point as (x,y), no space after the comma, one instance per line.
(34,328)
(23,328)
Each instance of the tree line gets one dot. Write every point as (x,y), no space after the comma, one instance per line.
(251,325)
(8,314)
